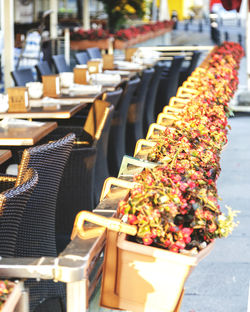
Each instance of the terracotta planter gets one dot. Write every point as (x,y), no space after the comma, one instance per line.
(143,278)
(84,44)
(120,44)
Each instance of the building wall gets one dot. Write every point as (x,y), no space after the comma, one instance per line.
(181,7)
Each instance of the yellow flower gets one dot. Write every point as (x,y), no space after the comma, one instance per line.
(129,9)
(117,8)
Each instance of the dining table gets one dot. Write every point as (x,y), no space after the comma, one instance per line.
(55,111)
(5,154)
(24,133)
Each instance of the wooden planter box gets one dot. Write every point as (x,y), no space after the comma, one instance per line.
(144,278)
(13,298)
(85,44)
(120,44)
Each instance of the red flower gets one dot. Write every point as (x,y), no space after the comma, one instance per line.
(147,240)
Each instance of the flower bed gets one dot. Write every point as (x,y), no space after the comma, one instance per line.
(128,37)
(81,39)
(176,205)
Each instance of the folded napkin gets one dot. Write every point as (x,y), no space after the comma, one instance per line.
(4,106)
(47,101)
(105,79)
(145,56)
(81,66)
(7,122)
(78,89)
(117,72)
(128,65)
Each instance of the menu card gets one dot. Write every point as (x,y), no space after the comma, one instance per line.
(18,99)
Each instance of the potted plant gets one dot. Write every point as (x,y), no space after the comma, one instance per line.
(83,39)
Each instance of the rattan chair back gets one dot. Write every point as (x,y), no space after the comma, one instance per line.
(43,69)
(96,119)
(134,130)
(112,97)
(81,57)
(185,72)
(12,206)
(168,84)
(36,235)
(116,147)
(78,182)
(149,110)
(94,53)
(101,165)
(60,63)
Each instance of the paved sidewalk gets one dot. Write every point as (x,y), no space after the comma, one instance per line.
(220,283)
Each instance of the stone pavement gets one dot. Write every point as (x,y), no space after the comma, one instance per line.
(220,282)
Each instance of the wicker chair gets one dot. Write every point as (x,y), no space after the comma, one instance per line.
(168,84)
(149,108)
(94,53)
(116,145)
(13,203)
(185,72)
(43,69)
(81,57)
(36,235)
(22,76)
(60,63)
(134,126)
(82,175)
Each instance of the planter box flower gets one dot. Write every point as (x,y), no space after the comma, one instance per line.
(143,278)
(120,44)
(123,44)
(171,211)
(124,38)
(85,44)
(10,294)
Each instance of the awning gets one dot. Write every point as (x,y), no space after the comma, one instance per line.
(231,4)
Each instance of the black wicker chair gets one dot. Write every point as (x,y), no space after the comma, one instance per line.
(81,57)
(60,63)
(186,71)
(43,69)
(36,235)
(79,119)
(116,145)
(134,126)
(168,84)
(94,53)
(22,76)
(13,203)
(149,116)
(82,176)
